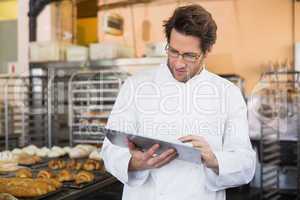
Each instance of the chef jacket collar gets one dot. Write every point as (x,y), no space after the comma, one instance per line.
(164,75)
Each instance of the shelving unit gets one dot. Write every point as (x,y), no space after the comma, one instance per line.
(278,112)
(91,98)
(23,110)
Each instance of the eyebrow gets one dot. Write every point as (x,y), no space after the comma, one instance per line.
(184,52)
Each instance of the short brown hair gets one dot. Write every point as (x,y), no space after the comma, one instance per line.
(193,20)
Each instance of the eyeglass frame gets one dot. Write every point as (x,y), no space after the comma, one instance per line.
(197,56)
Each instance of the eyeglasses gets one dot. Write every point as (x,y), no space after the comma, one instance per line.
(188,57)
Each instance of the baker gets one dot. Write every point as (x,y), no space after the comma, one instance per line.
(181,101)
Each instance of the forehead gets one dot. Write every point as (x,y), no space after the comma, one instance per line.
(184,43)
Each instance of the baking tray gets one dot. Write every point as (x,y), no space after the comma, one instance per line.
(45,196)
(43,162)
(99,176)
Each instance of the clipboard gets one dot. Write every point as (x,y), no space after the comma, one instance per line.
(185,153)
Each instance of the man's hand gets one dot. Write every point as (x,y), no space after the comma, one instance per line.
(208,157)
(148,160)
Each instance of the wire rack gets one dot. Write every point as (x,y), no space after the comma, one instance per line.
(91,99)
(23,111)
(279,117)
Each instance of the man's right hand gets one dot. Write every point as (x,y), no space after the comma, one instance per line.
(148,160)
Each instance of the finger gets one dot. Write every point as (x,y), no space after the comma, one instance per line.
(166,160)
(189,138)
(157,159)
(150,152)
(131,145)
(198,144)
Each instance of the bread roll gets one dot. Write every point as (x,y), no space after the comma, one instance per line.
(65,175)
(7,156)
(26,187)
(84,177)
(43,152)
(17,151)
(25,159)
(73,164)
(78,153)
(58,150)
(67,149)
(95,155)
(91,165)
(31,150)
(86,147)
(24,173)
(53,154)
(45,174)
(56,164)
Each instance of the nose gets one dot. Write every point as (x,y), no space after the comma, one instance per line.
(180,62)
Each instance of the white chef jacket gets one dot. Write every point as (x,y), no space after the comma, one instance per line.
(154,104)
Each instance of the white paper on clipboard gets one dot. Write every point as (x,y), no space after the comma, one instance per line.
(185,153)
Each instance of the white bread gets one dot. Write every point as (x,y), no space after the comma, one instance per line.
(95,155)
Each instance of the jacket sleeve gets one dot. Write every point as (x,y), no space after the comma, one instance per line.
(122,118)
(236,158)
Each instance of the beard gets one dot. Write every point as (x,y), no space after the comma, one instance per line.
(185,77)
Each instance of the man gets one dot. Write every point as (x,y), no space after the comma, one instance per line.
(182,102)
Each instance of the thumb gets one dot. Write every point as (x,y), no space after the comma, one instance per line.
(131,145)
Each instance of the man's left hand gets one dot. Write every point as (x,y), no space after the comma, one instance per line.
(208,157)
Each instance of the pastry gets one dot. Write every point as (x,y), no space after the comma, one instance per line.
(51,181)
(37,158)
(17,151)
(73,164)
(6,196)
(95,155)
(86,147)
(8,162)
(45,174)
(91,165)
(56,164)
(67,149)
(24,173)
(84,177)
(31,150)
(9,166)
(53,154)
(43,152)
(60,151)
(27,187)
(78,153)
(7,156)
(65,175)
(25,159)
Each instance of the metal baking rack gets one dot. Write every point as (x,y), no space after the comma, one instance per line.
(23,116)
(281,96)
(91,98)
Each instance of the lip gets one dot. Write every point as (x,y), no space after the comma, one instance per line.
(180,71)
